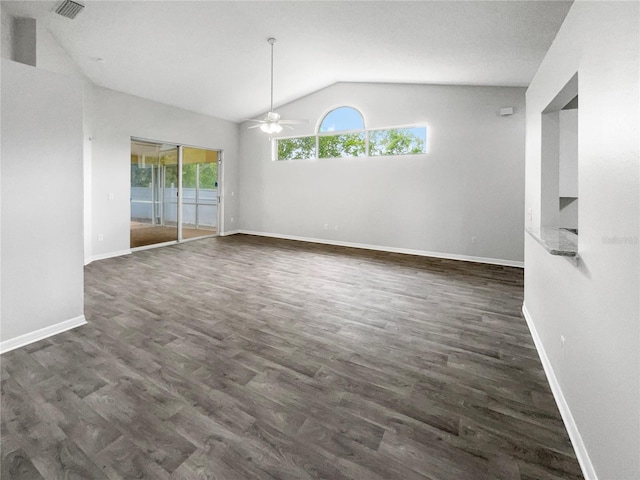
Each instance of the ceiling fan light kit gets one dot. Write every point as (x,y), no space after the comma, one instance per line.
(271,128)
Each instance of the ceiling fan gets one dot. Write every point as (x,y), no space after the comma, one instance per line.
(272,123)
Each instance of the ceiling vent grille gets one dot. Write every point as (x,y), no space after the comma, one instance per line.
(69,9)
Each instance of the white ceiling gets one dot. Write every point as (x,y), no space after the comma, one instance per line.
(212,56)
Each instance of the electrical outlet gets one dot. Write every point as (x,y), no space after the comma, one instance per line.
(336,228)
(100,237)
(326,226)
(232,220)
(111,196)
(474,239)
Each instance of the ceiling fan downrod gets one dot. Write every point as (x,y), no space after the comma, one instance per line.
(272,123)
(271,41)
(271,126)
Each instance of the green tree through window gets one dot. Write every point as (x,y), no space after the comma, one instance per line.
(209,175)
(342,134)
(140,176)
(189,175)
(397,141)
(343,145)
(299,148)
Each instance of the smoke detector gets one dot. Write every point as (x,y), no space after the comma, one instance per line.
(69,9)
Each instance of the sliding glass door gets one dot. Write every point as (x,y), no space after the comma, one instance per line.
(199,192)
(157,193)
(154,190)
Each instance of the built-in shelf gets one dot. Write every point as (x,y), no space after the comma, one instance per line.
(556,241)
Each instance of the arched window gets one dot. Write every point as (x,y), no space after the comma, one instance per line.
(341,134)
(341,119)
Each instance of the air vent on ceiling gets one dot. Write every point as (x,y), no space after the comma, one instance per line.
(69,9)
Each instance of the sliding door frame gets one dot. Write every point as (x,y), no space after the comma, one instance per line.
(179,201)
(220,191)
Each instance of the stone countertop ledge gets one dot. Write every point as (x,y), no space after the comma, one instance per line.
(556,241)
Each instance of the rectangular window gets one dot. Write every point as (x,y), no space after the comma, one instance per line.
(398,141)
(299,148)
(342,145)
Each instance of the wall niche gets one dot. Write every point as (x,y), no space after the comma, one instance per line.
(559,202)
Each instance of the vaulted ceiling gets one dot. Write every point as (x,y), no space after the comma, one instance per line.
(212,56)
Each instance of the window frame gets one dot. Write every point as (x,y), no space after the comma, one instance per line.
(274,148)
(367,154)
(333,109)
(341,132)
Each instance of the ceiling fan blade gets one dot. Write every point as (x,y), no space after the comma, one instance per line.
(255,126)
(254,120)
(293,122)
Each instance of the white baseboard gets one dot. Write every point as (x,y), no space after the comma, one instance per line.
(408,251)
(230,232)
(588,470)
(102,256)
(27,338)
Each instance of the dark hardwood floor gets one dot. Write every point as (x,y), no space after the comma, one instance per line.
(251,358)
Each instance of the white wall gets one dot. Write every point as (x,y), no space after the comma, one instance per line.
(568,168)
(6,34)
(42,260)
(52,57)
(48,52)
(469,184)
(594,305)
(116,117)
(24,40)
(568,152)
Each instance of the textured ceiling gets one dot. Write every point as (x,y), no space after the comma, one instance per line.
(212,56)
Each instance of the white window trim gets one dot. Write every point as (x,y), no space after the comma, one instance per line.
(365,130)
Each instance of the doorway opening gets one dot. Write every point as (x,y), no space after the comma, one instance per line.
(174,193)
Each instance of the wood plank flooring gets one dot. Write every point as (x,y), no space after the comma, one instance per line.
(251,358)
